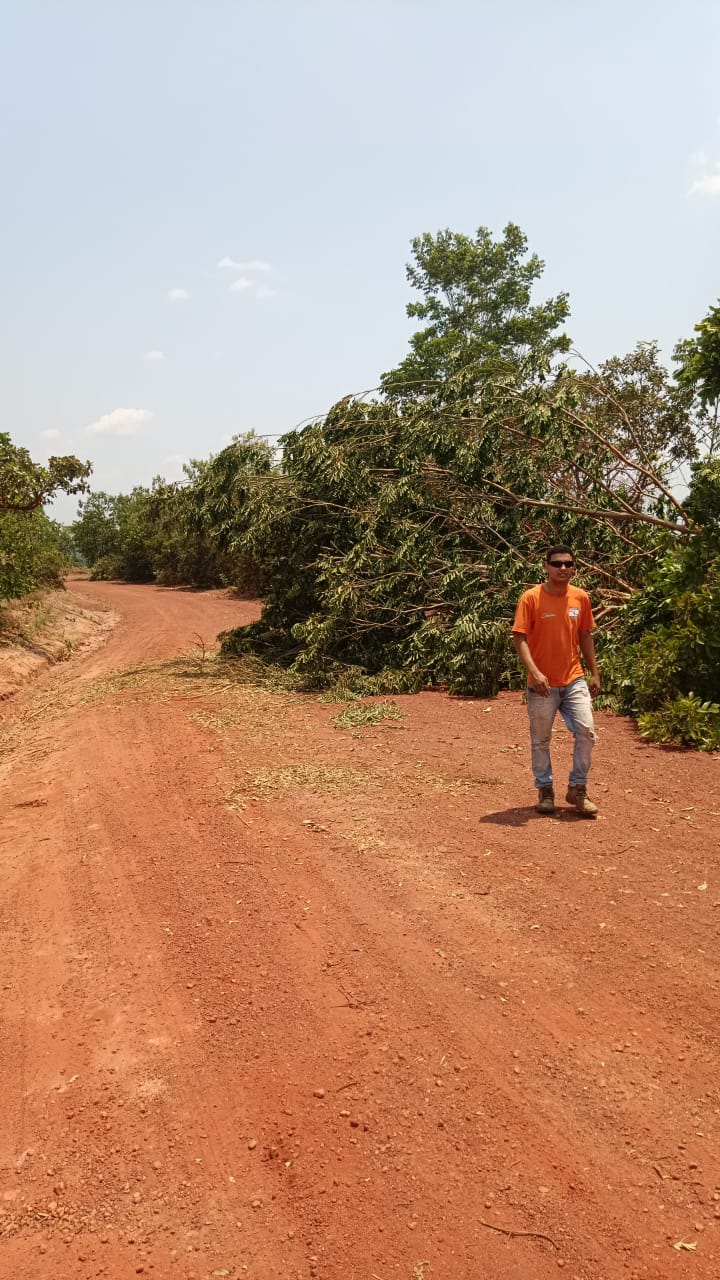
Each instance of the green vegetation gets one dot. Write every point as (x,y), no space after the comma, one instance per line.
(392,539)
(476,296)
(183,533)
(402,529)
(664,653)
(34,550)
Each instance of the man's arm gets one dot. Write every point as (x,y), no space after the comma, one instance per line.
(541,684)
(587,648)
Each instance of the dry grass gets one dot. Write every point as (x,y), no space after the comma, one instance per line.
(221,721)
(234,699)
(358,714)
(453,786)
(265,784)
(238,700)
(161,680)
(268,783)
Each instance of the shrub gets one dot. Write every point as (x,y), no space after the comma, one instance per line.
(33,553)
(107,569)
(687,721)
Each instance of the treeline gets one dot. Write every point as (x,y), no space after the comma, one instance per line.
(391,538)
(179,533)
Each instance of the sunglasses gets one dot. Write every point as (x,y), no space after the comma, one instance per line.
(561,564)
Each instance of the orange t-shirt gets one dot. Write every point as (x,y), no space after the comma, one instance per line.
(552,625)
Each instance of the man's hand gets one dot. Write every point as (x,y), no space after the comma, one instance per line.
(540,683)
(587,649)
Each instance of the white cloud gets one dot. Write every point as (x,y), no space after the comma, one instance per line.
(266,293)
(178,295)
(708,184)
(153,356)
(241,284)
(121,422)
(707,170)
(52,433)
(253,265)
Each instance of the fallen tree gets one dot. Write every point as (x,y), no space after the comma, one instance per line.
(398,537)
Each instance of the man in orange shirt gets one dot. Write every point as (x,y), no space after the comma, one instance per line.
(552,622)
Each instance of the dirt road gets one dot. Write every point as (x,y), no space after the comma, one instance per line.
(282,999)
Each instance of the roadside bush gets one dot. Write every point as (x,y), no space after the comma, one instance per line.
(107,569)
(34,550)
(663,665)
(33,553)
(687,721)
(652,672)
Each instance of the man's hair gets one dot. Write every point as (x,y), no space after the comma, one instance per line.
(561,549)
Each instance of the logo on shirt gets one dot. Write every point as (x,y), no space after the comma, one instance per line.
(573,613)
(547,615)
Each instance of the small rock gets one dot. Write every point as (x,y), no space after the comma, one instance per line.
(318,1093)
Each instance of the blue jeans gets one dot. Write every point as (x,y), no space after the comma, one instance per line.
(574,703)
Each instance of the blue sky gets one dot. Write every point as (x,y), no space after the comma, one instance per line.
(145,143)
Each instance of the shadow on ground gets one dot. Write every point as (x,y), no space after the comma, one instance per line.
(521,816)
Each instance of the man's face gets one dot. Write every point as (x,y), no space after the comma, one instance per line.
(560,568)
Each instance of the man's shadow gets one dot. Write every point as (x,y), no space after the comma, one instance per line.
(520,817)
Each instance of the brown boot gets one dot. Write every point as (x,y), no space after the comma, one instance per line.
(578,797)
(546,800)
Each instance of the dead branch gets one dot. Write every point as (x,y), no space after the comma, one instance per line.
(507,1231)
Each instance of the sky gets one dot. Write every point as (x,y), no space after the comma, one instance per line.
(207,205)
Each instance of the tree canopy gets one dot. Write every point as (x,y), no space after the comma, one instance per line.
(33,548)
(699,359)
(476,300)
(26,485)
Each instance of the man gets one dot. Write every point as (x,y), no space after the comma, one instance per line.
(551,622)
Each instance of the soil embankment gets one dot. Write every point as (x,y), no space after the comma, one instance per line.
(43,629)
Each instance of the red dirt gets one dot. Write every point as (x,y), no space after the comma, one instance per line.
(380,1022)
